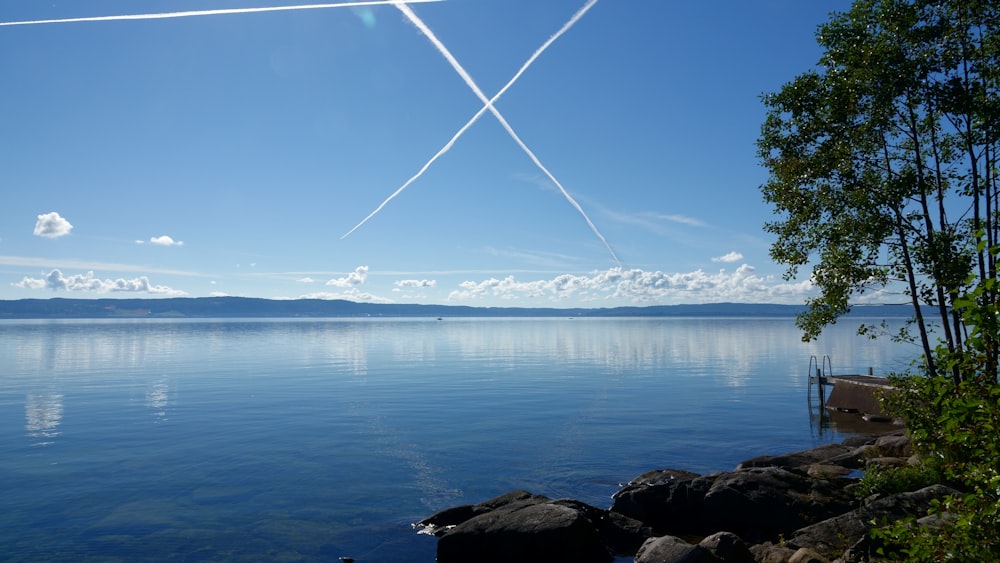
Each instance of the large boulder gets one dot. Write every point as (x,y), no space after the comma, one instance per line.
(538,532)
(667,500)
(721,547)
(671,549)
(757,503)
(520,526)
(763,503)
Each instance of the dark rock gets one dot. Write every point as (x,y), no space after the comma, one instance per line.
(440,522)
(860,440)
(671,549)
(806,555)
(893,445)
(770,553)
(820,454)
(668,501)
(520,526)
(513,498)
(541,532)
(826,471)
(727,547)
(764,502)
(657,476)
(833,536)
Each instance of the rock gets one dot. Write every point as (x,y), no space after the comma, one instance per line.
(657,476)
(671,549)
(820,454)
(860,440)
(833,536)
(520,526)
(894,445)
(806,555)
(621,534)
(540,533)
(764,502)
(440,522)
(770,553)
(668,501)
(826,471)
(727,547)
(886,462)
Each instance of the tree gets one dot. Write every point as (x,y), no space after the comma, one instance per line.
(883,168)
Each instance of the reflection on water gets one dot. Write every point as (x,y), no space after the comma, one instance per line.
(42,414)
(157,397)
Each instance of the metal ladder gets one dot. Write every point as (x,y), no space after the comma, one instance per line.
(819,374)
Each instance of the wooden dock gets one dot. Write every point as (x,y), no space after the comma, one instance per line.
(857,393)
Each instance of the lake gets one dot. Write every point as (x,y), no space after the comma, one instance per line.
(299,440)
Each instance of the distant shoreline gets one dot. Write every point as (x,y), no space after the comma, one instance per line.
(247,307)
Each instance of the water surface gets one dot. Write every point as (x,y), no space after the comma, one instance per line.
(315,439)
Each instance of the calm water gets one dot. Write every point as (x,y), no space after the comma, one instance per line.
(314,439)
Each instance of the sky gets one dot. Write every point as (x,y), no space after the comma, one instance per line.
(357,151)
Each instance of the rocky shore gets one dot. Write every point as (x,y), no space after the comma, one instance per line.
(798,507)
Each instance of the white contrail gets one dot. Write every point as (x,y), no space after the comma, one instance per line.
(214,12)
(488,106)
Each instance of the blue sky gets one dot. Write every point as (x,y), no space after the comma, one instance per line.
(229,154)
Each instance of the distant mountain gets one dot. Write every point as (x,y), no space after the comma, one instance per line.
(245,307)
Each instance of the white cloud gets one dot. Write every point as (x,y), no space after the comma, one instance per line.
(636,286)
(731,257)
(165,240)
(52,225)
(306,279)
(55,280)
(682,219)
(414,283)
(357,277)
(351,294)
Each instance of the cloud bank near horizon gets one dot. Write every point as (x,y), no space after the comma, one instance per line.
(640,287)
(56,280)
(613,287)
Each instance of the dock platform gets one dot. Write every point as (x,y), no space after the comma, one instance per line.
(857,393)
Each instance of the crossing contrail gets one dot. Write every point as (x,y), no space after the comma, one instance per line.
(488,106)
(192,13)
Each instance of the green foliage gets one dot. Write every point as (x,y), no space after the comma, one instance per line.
(893,480)
(964,528)
(957,428)
(884,173)
(883,161)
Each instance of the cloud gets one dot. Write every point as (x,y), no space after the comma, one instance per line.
(89,265)
(52,225)
(165,241)
(306,279)
(652,220)
(357,277)
(488,106)
(351,294)
(55,280)
(414,283)
(641,287)
(682,219)
(731,257)
(216,12)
